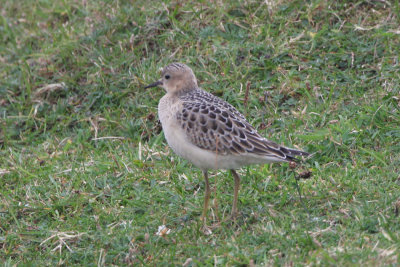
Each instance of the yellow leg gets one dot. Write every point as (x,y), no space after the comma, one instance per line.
(235,193)
(206,197)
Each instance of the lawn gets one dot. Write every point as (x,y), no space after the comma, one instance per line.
(87,178)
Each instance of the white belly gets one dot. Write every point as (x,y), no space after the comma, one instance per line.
(177,140)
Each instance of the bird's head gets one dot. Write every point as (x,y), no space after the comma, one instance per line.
(176,78)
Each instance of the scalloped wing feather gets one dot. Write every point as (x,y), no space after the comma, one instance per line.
(211,123)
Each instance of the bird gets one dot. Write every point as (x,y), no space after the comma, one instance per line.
(209,132)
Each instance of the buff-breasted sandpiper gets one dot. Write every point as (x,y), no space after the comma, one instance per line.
(209,132)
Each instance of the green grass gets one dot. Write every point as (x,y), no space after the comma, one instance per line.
(324,76)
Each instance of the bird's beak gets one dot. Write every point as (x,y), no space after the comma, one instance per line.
(157,83)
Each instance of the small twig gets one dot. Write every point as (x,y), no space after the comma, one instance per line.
(61,237)
(108,137)
(94,127)
(4,171)
(129,170)
(116,162)
(49,88)
(292,166)
(298,188)
(301,198)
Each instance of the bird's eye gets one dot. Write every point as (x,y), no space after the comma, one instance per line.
(167,76)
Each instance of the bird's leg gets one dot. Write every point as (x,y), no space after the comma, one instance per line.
(235,193)
(206,197)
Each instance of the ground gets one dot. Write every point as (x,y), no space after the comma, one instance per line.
(86,177)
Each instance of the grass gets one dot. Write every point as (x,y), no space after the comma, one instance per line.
(86,177)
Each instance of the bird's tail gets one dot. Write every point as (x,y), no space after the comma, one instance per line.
(295,152)
(292,153)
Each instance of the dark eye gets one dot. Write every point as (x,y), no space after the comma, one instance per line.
(167,76)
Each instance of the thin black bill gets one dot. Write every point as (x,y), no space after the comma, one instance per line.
(157,83)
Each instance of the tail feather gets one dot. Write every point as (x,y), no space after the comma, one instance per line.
(297,152)
(291,153)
